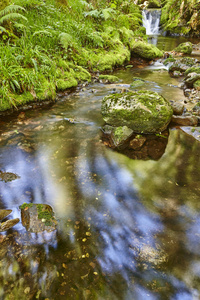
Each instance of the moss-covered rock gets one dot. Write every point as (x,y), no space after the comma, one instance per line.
(63,84)
(142,111)
(196,85)
(145,50)
(137,82)
(182,64)
(195,68)
(185,48)
(154,4)
(108,78)
(118,135)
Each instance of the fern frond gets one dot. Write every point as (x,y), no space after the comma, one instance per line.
(12,16)
(11,9)
(65,39)
(107,13)
(45,32)
(2,29)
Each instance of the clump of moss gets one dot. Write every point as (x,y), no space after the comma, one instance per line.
(26,205)
(45,213)
(109,78)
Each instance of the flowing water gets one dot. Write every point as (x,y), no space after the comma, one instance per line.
(127,229)
(151,21)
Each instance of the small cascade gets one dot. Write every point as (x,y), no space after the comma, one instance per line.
(151,21)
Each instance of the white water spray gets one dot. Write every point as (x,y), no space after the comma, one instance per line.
(151,20)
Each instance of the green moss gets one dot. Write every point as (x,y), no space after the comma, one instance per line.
(169,60)
(63,84)
(109,78)
(81,74)
(145,50)
(154,4)
(25,205)
(185,48)
(142,111)
(195,69)
(46,90)
(63,64)
(196,85)
(45,213)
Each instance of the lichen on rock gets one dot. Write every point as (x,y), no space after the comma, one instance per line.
(141,111)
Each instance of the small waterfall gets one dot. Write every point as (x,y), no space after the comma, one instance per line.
(151,20)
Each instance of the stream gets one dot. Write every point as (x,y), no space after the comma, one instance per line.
(127,228)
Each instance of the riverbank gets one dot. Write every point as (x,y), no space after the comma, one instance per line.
(55,46)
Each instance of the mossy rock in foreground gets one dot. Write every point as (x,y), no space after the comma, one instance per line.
(142,111)
(145,50)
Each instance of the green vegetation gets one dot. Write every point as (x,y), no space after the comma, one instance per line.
(25,205)
(50,46)
(181,17)
(58,43)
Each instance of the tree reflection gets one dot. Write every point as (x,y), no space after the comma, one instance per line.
(126,228)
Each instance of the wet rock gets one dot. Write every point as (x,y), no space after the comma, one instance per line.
(38,217)
(118,135)
(178,108)
(137,142)
(191,78)
(185,48)
(196,109)
(195,68)
(182,64)
(184,120)
(4,213)
(8,176)
(137,82)
(108,78)
(196,85)
(9,223)
(140,146)
(141,111)
(176,74)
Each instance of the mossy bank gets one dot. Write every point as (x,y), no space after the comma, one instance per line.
(55,45)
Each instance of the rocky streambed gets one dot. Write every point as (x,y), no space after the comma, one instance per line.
(126,221)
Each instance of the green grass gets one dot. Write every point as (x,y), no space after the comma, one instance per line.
(96,37)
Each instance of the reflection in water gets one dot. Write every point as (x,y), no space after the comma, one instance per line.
(127,229)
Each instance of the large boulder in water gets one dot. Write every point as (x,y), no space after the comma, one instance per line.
(142,111)
(185,48)
(145,50)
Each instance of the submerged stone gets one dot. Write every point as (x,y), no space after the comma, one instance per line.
(9,223)
(142,111)
(38,217)
(4,213)
(119,135)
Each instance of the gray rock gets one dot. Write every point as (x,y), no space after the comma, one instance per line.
(191,78)
(142,111)
(178,108)
(184,120)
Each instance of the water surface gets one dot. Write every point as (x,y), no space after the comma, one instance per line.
(128,229)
